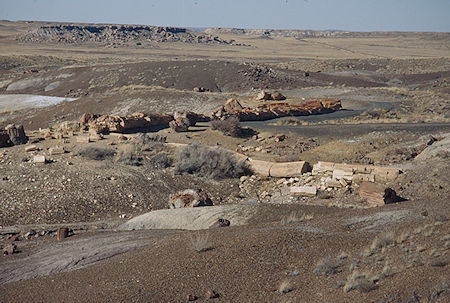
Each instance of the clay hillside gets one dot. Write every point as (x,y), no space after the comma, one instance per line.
(160,164)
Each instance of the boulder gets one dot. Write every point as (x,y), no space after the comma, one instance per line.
(189,198)
(180,125)
(190,116)
(263,95)
(16,134)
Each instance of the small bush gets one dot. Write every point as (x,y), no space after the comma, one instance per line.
(208,162)
(129,155)
(229,127)
(160,161)
(96,153)
(149,143)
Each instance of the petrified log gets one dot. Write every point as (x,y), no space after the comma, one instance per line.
(16,134)
(377,194)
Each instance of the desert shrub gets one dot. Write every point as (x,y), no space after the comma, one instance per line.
(128,154)
(96,152)
(215,163)
(144,142)
(160,161)
(229,126)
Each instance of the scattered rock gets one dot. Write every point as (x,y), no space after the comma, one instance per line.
(192,298)
(308,191)
(189,198)
(30,148)
(57,150)
(211,294)
(10,249)
(199,89)
(39,159)
(62,233)
(280,138)
(223,222)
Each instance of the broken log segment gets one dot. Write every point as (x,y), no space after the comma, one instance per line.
(307,191)
(377,194)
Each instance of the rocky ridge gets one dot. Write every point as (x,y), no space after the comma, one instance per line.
(116,34)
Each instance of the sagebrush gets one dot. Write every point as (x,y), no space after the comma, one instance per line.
(215,163)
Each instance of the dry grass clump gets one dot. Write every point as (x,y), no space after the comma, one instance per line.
(285,287)
(327,267)
(360,281)
(380,243)
(293,217)
(96,152)
(215,163)
(200,243)
(128,154)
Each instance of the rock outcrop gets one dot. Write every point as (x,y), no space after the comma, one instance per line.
(275,110)
(189,198)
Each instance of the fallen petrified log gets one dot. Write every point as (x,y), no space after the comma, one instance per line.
(356,172)
(16,134)
(278,170)
(275,110)
(377,194)
(105,123)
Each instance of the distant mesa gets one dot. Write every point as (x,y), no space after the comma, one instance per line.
(116,35)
